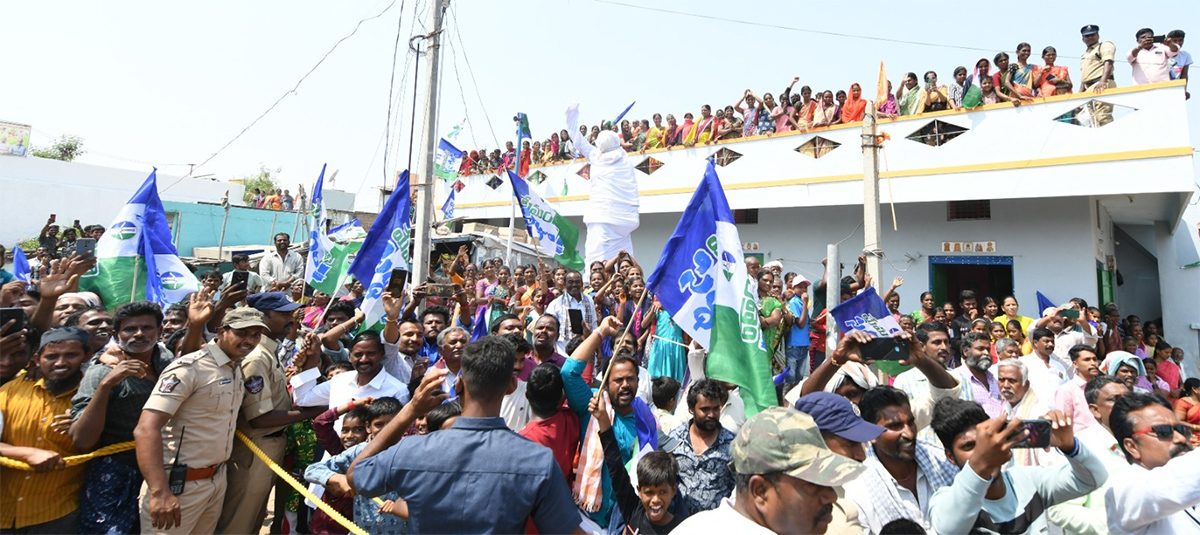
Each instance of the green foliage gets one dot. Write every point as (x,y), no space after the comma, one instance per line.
(29,245)
(65,148)
(265,179)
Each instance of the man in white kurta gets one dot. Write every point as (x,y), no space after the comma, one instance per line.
(612,212)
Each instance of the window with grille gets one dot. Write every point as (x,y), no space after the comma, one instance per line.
(746,217)
(969,210)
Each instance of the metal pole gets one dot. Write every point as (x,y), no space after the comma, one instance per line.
(422,245)
(833,292)
(274,219)
(871,222)
(221,244)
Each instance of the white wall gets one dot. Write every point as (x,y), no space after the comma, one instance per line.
(33,188)
(1180,289)
(1140,293)
(1050,242)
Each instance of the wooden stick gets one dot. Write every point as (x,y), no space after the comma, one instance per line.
(657,337)
(608,368)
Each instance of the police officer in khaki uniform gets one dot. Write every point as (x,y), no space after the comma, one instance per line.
(266,411)
(186,431)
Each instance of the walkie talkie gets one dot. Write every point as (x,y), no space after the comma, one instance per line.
(178,473)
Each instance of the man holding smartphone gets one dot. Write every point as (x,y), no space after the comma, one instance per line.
(576,312)
(241,273)
(984,498)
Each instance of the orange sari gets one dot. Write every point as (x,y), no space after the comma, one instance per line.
(854,108)
(1191,412)
(1048,87)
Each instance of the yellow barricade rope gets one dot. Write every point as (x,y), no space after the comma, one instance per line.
(72,460)
(301,488)
(279,471)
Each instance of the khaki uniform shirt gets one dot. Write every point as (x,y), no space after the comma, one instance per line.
(202,392)
(1091,66)
(266,387)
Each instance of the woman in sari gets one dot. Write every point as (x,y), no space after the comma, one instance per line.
(889,109)
(1021,77)
(855,106)
(1052,79)
(826,112)
(315,311)
(1187,408)
(497,294)
(656,134)
(802,112)
(555,148)
(714,130)
(704,125)
(935,97)
(927,310)
(908,97)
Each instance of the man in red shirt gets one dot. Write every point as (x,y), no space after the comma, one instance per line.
(553,424)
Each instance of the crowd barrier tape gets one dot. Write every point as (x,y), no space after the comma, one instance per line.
(72,460)
(279,471)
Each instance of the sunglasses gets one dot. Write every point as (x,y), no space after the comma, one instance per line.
(1165,431)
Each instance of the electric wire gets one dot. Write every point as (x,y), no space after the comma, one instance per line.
(387,132)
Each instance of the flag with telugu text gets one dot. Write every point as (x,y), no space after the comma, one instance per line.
(135,259)
(448,159)
(554,233)
(448,206)
(701,280)
(318,268)
(385,249)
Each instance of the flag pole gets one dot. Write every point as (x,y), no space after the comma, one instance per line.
(608,367)
(133,287)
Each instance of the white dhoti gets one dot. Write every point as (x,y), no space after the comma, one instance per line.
(606,240)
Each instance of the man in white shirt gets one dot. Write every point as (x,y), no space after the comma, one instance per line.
(1086,515)
(572,299)
(1045,372)
(785,479)
(1159,493)
(368,379)
(280,267)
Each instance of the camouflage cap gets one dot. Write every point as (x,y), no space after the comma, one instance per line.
(243,317)
(783,439)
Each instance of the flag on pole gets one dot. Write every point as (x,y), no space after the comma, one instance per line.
(448,159)
(339,267)
(554,233)
(20,265)
(622,115)
(448,206)
(522,121)
(1043,303)
(701,280)
(479,328)
(384,249)
(348,231)
(320,247)
(866,312)
(881,92)
(456,130)
(135,259)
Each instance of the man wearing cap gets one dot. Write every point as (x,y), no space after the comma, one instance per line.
(798,339)
(1096,65)
(186,431)
(786,477)
(266,411)
(45,500)
(845,433)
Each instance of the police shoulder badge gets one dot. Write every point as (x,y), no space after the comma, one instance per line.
(168,384)
(254,384)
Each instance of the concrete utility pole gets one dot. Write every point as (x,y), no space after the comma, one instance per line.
(871,224)
(422,246)
(833,294)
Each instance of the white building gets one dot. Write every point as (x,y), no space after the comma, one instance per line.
(1058,201)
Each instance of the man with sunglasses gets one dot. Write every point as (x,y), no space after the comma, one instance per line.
(1158,494)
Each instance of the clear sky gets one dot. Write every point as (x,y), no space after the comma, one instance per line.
(171,83)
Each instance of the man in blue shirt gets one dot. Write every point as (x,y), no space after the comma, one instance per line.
(798,340)
(478,476)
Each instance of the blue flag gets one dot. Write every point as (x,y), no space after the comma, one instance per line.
(448,206)
(1044,303)
(384,249)
(319,267)
(866,312)
(20,265)
(448,159)
(136,259)
(480,328)
(702,282)
(622,115)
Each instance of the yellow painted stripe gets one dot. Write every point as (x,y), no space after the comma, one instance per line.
(931,171)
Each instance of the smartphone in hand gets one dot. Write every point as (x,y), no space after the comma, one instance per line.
(85,246)
(885,349)
(575,317)
(1039,434)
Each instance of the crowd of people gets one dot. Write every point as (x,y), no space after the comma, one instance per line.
(986,81)
(534,399)
(273,199)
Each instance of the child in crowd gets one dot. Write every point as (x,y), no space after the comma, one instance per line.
(354,432)
(645,510)
(666,398)
(331,473)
